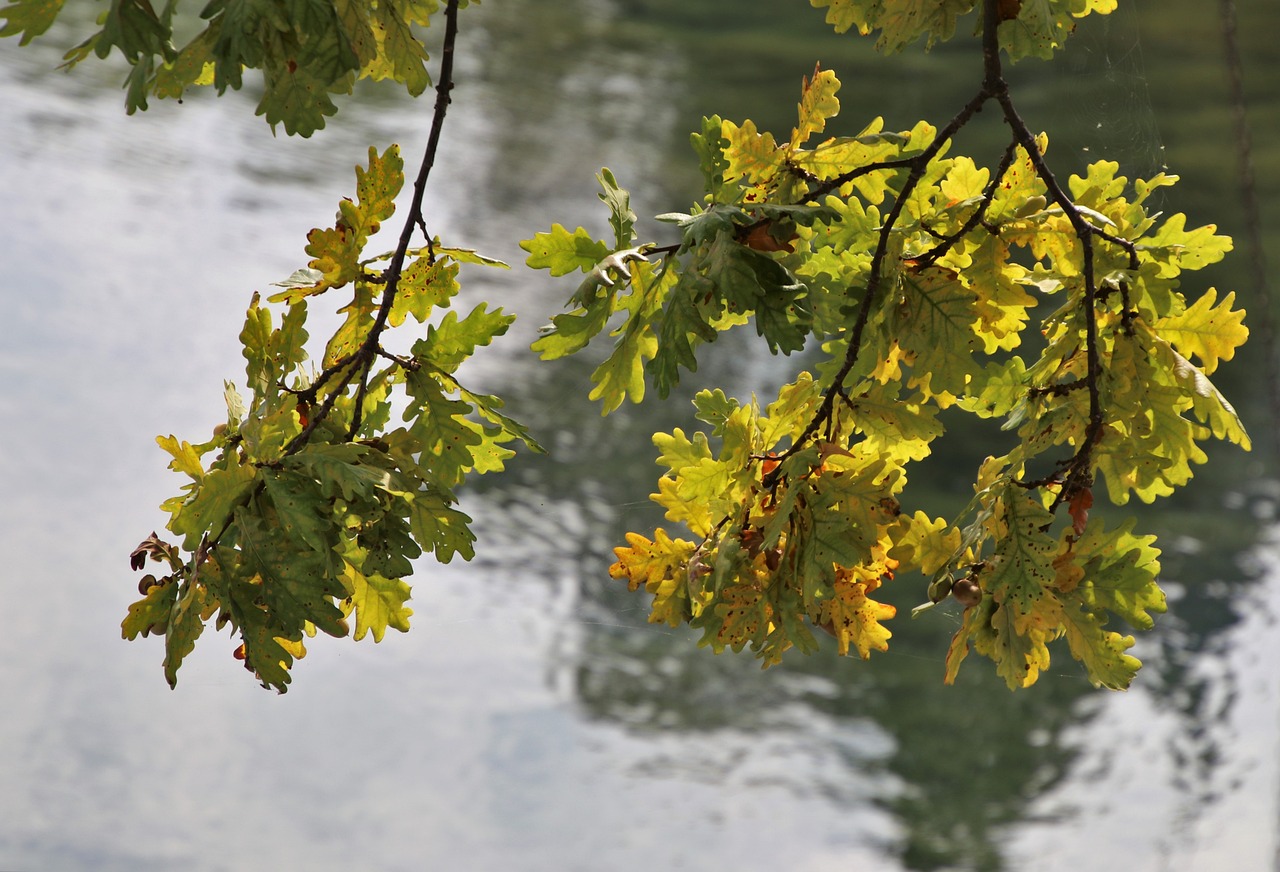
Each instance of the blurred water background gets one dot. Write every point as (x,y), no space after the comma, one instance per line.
(532,719)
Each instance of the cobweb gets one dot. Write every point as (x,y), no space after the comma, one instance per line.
(1113,110)
(1198,739)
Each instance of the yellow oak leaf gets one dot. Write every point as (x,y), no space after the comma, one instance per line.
(854,619)
(661,566)
(817,103)
(1209,329)
(924,543)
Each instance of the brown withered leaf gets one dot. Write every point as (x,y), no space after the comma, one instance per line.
(1009,9)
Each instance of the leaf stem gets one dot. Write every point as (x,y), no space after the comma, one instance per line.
(1079,474)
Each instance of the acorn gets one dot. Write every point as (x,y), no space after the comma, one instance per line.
(967,592)
(697,568)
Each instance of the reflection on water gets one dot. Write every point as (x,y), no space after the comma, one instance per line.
(533,719)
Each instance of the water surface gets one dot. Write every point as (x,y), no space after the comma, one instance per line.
(532,719)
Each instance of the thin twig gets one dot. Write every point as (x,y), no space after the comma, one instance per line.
(1078,475)
(917,165)
(1075,472)
(358,364)
(361,360)
(948,242)
(368,351)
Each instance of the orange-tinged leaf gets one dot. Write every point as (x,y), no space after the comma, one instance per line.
(761,238)
(334,252)
(661,566)
(378,186)
(1078,508)
(1069,571)
(959,648)
(745,617)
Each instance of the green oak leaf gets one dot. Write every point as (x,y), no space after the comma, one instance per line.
(1020,573)
(562,252)
(423,286)
(439,527)
(211,504)
(452,341)
(441,427)
(900,22)
(299,584)
(295,99)
(1120,573)
(1101,651)
(340,471)
(155,608)
(29,18)
(621,218)
(192,609)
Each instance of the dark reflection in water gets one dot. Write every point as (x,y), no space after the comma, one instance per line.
(957,769)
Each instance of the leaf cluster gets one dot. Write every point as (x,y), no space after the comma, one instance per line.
(1027,28)
(308,506)
(921,281)
(307,51)
(920,277)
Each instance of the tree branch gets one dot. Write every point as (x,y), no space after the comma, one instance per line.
(358,365)
(1075,471)
(362,359)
